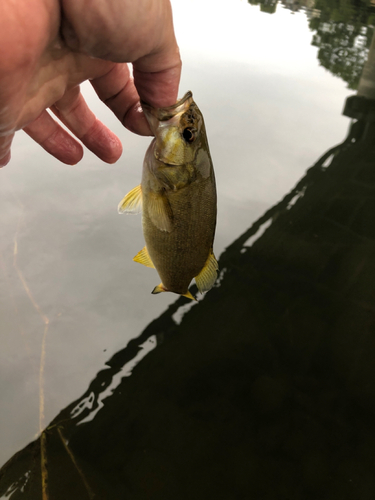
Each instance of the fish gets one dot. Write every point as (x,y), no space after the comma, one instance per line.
(177,199)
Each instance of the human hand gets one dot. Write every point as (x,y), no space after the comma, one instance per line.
(49,47)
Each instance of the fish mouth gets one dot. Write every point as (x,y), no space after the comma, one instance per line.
(163,163)
(163,114)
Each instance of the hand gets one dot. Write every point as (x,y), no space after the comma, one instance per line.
(48,47)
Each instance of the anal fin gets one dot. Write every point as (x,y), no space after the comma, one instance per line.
(161,288)
(207,277)
(158,289)
(144,258)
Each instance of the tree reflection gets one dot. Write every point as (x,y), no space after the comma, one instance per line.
(343,33)
(267,6)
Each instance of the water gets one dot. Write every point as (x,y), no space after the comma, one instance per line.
(262,390)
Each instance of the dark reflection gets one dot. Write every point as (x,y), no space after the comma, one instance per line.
(342,32)
(343,36)
(297,5)
(267,6)
(266,388)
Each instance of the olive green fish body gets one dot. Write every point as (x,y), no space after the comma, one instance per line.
(180,255)
(178,198)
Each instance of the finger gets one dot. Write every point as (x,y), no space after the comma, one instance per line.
(157,77)
(5,144)
(157,73)
(138,32)
(116,89)
(54,139)
(73,111)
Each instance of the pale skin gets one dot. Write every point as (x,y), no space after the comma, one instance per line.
(49,47)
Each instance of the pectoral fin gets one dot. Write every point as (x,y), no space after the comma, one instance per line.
(160,212)
(132,203)
(207,277)
(144,258)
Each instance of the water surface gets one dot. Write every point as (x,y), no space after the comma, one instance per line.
(268,380)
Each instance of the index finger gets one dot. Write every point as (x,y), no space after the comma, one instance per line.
(140,33)
(122,94)
(117,90)
(158,88)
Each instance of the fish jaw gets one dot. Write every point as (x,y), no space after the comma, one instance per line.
(176,130)
(169,149)
(156,115)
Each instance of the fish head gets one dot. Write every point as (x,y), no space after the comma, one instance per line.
(179,131)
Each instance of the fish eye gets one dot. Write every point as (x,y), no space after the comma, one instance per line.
(188,134)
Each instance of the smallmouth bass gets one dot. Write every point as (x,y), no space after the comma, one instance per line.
(177,198)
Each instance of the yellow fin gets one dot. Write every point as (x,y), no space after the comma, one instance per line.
(207,277)
(160,288)
(144,258)
(160,212)
(188,295)
(132,202)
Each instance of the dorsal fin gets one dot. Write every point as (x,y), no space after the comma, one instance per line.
(207,277)
(144,258)
(132,202)
(160,212)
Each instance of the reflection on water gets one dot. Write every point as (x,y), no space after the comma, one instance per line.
(343,36)
(265,388)
(342,32)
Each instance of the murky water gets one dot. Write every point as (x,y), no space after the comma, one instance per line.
(265,388)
